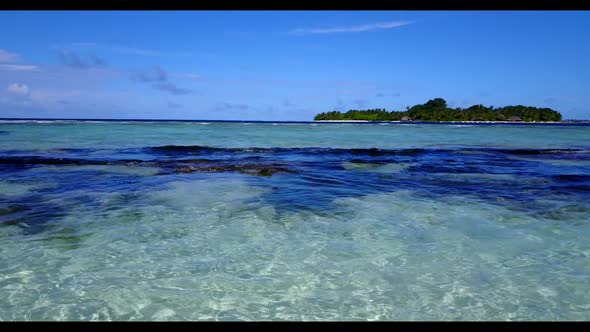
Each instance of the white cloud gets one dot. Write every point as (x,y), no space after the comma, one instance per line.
(18,89)
(355,28)
(17,96)
(19,67)
(6,56)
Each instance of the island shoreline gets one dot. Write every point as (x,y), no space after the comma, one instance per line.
(450,122)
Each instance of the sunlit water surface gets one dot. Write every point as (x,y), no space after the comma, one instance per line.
(249,221)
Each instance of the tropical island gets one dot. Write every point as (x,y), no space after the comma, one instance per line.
(436,110)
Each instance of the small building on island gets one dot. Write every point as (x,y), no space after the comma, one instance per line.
(515,119)
(406,118)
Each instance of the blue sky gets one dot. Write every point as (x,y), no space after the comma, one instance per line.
(288,65)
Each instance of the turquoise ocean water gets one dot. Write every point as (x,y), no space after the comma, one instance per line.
(276,221)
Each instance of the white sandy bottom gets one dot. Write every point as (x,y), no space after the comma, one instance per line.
(215,250)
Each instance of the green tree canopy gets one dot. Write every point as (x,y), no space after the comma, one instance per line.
(437,110)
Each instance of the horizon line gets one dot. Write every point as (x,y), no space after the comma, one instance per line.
(562,122)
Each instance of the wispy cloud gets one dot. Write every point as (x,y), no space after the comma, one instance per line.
(6,62)
(146,52)
(550,100)
(232,106)
(159,78)
(52,87)
(156,74)
(381,95)
(187,75)
(13,67)
(172,88)
(131,50)
(287,103)
(174,105)
(6,56)
(17,95)
(18,89)
(360,102)
(339,105)
(354,28)
(80,45)
(122,49)
(74,60)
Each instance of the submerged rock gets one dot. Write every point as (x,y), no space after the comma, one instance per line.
(179,166)
(185,169)
(376,167)
(12,209)
(250,169)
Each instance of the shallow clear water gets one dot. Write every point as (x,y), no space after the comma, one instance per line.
(243,221)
